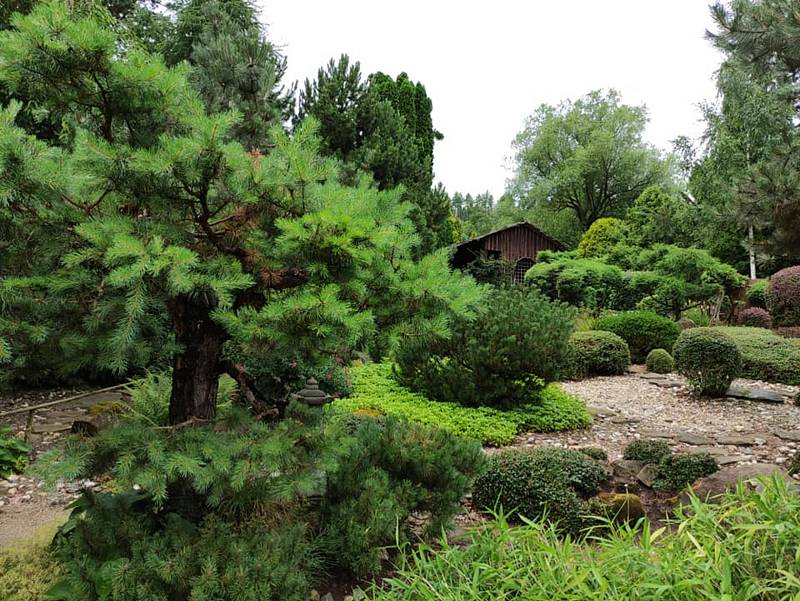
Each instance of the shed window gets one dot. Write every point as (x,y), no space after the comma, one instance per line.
(521,268)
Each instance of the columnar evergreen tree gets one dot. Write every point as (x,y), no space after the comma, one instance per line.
(159,206)
(381,126)
(234,66)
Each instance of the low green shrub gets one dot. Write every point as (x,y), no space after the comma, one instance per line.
(536,482)
(586,283)
(376,391)
(742,549)
(765,355)
(659,361)
(642,330)
(675,472)
(13,452)
(709,359)
(783,297)
(647,450)
(794,464)
(517,342)
(595,352)
(757,294)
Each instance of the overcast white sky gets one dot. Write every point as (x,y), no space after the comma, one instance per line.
(487,65)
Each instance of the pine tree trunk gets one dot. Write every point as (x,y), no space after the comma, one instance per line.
(197,367)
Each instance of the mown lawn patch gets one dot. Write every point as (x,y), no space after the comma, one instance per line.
(375,390)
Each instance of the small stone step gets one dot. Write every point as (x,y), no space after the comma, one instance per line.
(694,439)
(790,435)
(755,394)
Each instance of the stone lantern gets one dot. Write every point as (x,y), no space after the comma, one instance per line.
(311,394)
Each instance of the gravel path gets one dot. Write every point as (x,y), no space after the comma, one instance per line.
(639,405)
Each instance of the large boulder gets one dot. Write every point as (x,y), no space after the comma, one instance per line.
(727,479)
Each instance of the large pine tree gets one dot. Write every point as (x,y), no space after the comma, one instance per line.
(149,205)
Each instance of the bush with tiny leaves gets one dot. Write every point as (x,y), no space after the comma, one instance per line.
(783,297)
(537,482)
(642,330)
(709,359)
(598,353)
(659,361)
(647,450)
(675,472)
(757,294)
(754,317)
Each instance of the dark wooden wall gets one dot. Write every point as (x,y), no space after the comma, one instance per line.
(518,242)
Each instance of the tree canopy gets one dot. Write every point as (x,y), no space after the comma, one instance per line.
(587,156)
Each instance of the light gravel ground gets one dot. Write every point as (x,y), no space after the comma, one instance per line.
(630,406)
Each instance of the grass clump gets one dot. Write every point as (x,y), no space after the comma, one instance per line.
(744,549)
(375,390)
(766,355)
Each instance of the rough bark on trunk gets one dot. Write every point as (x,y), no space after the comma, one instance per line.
(197,367)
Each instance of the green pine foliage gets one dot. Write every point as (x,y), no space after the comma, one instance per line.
(382,126)
(517,342)
(175,228)
(376,392)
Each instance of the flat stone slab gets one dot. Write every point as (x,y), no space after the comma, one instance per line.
(790,435)
(694,439)
(715,451)
(727,478)
(741,440)
(621,419)
(731,459)
(656,434)
(756,394)
(51,428)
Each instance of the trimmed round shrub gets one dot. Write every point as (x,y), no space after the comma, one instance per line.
(535,482)
(659,361)
(647,450)
(783,297)
(595,352)
(709,359)
(677,471)
(757,294)
(595,453)
(642,330)
(754,317)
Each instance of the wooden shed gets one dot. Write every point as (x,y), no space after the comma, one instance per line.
(519,244)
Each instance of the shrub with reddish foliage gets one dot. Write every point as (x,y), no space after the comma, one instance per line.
(783,297)
(754,317)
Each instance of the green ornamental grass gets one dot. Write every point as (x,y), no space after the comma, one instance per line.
(376,391)
(743,549)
